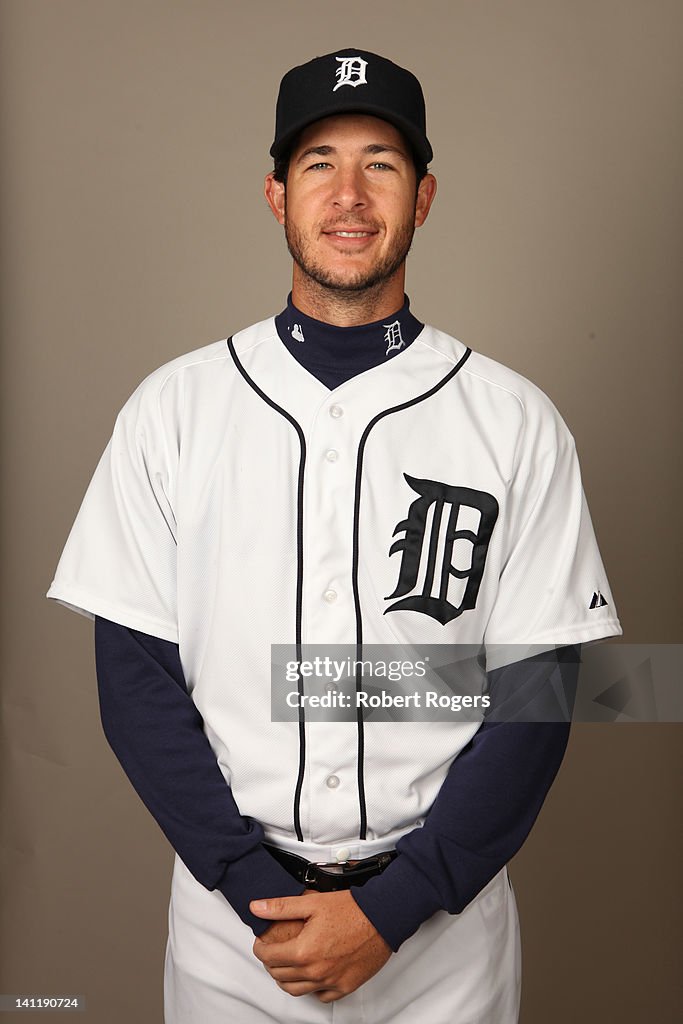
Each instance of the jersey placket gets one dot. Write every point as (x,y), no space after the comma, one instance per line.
(329,615)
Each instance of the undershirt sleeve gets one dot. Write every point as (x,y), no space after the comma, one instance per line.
(484,810)
(156,732)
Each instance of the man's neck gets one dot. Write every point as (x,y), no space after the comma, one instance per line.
(347,308)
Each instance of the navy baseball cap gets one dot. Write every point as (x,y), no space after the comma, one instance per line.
(345,82)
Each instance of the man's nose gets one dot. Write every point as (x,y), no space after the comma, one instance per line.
(349,191)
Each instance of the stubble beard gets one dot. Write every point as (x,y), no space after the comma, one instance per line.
(363,281)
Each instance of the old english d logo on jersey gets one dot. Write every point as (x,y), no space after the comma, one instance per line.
(351,71)
(426,575)
(393,337)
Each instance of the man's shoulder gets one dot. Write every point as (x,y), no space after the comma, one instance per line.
(215,351)
(502,386)
(199,364)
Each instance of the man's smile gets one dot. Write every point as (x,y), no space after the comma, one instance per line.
(352,236)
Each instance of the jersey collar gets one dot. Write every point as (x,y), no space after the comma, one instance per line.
(335,354)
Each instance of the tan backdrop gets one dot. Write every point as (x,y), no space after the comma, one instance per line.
(134,141)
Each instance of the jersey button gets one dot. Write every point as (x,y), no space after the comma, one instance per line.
(336,411)
(342,855)
(332,781)
(330,596)
(332,455)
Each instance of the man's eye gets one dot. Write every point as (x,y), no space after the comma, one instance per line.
(382,166)
(321,163)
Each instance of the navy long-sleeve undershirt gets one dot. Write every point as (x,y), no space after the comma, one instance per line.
(156,732)
(486,806)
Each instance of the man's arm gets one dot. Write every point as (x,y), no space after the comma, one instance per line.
(156,732)
(486,806)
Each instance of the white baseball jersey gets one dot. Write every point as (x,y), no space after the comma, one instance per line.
(435,498)
(240,503)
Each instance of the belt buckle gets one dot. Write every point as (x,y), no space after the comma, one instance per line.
(308,879)
(311,876)
(375,864)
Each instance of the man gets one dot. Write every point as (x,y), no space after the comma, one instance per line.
(338,474)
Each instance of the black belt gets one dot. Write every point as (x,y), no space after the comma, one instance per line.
(331,877)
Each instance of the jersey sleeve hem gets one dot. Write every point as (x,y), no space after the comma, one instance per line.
(90,605)
(584,632)
(500,653)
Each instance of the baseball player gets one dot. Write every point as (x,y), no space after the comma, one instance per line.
(340,473)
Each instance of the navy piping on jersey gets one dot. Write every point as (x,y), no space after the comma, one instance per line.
(333,365)
(299,579)
(356,592)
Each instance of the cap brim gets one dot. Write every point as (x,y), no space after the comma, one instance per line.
(420,143)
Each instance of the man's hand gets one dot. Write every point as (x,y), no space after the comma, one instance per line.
(336,950)
(281,931)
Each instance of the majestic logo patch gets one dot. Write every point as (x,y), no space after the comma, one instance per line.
(297,333)
(351,72)
(393,337)
(597,600)
(445,523)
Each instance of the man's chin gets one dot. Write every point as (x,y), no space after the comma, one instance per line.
(348,282)
(349,286)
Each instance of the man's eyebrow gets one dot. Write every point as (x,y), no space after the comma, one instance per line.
(317,151)
(371,150)
(385,147)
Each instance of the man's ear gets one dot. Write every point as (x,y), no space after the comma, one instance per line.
(426,191)
(274,192)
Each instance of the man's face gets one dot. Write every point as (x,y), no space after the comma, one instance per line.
(351,207)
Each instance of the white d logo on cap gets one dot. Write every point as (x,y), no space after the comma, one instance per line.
(351,72)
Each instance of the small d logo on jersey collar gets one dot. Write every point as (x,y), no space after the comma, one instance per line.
(350,72)
(393,337)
